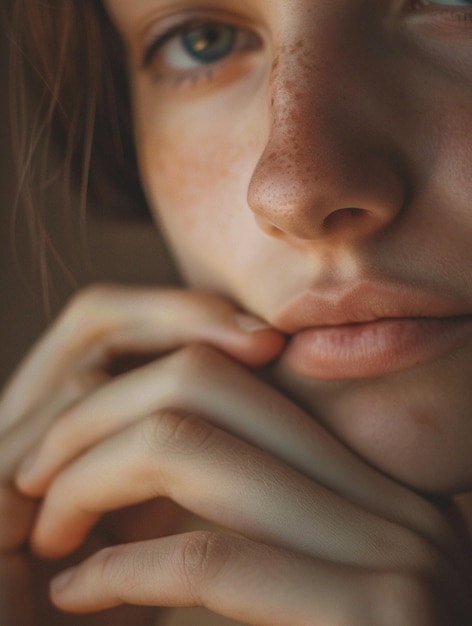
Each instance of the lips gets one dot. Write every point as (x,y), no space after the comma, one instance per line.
(371,330)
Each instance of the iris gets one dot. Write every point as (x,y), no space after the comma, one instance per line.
(210,42)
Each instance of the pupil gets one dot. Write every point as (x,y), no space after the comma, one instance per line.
(209,43)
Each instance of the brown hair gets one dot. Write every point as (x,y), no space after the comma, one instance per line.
(69,59)
(70,109)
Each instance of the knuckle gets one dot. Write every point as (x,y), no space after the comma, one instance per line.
(78,317)
(195,359)
(91,319)
(172,431)
(190,367)
(85,308)
(200,558)
(87,298)
(117,570)
(75,387)
(82,383)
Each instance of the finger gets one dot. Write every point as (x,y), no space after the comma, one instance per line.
(16,511)
(106,321)
(222,479)
(243,580)
(24,584)
(199,380)
(19,438)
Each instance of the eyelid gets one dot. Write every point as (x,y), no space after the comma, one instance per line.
(164,31)
(160,40)
(435,6)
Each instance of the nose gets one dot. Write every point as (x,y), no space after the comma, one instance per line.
(330,167)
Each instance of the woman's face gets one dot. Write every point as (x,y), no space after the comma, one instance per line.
(312,161)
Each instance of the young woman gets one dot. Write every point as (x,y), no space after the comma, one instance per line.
(307,390)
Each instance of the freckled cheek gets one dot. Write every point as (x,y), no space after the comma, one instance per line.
(197,185)
(185,175)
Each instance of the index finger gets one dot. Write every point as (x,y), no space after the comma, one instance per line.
(106,321)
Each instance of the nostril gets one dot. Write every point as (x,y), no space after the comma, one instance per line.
(346,218)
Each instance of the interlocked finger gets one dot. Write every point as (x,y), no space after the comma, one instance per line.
(253,583)
(225,480)
(16,511)
(106,321)
(202,381)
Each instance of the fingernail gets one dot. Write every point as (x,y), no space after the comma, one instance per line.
(60,582)
(250,324)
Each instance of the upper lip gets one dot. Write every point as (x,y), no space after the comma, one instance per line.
(365,301)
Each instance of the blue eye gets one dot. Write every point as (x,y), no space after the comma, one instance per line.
(210,42)
(187,50)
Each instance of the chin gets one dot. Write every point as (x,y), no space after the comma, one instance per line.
(416,441)
(415,426)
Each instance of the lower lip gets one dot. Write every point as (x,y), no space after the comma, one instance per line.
(373,348)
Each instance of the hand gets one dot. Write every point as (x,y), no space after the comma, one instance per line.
(322,536)
(101,327)
(23,596)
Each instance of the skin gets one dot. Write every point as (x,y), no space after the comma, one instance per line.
(254,171)
(250,170)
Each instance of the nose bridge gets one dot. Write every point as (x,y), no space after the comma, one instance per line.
(306,75)
(306,120)
(322,158)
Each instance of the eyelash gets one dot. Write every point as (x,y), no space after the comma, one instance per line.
(244,39)
(462,14)
(206,71)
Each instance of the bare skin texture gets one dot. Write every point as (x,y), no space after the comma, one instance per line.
(315,175)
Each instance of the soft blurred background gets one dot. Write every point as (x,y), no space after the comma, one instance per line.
(109,250)
(119,250)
